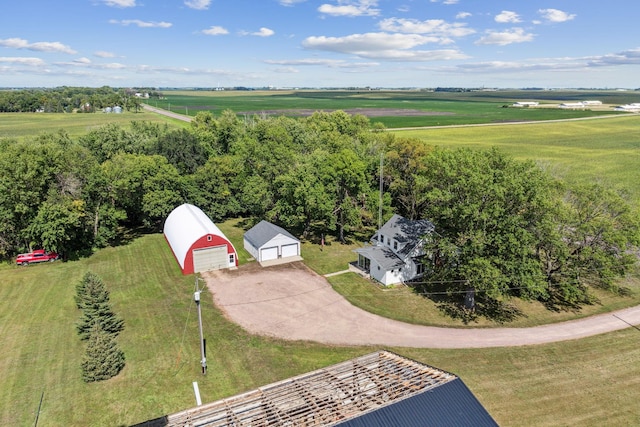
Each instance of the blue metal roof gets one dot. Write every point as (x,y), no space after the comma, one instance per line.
(450,404)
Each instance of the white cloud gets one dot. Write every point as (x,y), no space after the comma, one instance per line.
(351,8)
(83,61)
(507,16)
(394,47)
(104,54)
(32,62)
(263,32)
(627,57)
(290,2)
(555,15)
(17,43)
(463,15)
(437,27)
(140,24)
(503,38)
(120,3)
(215,30)
(198,4)
(331,63)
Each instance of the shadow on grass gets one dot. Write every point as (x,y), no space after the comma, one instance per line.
(491,309)
(452,305)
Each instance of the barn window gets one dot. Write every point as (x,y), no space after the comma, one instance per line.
(232,259)
(209,238)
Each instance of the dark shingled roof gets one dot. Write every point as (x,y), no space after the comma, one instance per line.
(407,232)
(264,231)
(382,255)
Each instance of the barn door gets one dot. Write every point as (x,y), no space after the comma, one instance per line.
(213,258)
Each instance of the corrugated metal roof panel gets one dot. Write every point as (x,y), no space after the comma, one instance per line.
(451,404)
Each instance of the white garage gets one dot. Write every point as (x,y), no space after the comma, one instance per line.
(196,242)
(268,242)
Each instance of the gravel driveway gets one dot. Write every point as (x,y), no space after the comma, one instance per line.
(290,301)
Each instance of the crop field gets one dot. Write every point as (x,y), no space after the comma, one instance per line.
(395,108)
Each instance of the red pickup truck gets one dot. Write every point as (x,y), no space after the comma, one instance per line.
(39,255)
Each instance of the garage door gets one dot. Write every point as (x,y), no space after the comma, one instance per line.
(210,258)
(289,250)
(269,253)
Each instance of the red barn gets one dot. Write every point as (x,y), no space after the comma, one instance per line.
(196,242)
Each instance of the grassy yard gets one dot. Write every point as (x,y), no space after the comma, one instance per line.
(588,382)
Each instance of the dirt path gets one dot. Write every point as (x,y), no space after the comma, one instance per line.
(292,302)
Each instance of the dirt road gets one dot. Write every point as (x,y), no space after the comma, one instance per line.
(292,302)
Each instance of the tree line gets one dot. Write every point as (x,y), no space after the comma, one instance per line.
(68,99)
(503,227)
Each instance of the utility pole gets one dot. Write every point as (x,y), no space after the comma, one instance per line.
(203,360)
(380,242)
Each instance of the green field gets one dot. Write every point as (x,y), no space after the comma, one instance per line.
(606,149)
(588,382)
(21,125)
(445,108)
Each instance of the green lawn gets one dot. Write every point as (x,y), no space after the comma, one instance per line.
(587,382)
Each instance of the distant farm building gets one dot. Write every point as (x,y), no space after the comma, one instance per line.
(196,242)
(592,102)
(525,104)
(267,242)
(634,107)
(380,389)
(571,105)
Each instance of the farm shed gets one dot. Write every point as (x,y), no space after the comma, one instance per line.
(266,242)
(196,242)
(376,390)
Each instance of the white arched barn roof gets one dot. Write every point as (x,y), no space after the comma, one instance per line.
(189,232)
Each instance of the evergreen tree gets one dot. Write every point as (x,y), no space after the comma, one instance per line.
(92,298)
(103,358)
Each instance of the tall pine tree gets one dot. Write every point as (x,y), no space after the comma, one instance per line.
(92,297)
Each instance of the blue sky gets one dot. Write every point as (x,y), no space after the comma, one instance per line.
(327,43)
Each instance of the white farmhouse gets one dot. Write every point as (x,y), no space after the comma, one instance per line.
(396,251)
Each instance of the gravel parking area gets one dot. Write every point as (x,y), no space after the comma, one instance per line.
(292,302)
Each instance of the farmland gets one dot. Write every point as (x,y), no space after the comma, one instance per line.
(420,108)
(589,382)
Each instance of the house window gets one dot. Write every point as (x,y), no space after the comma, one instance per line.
(388,241)
(395,245)
(419,267)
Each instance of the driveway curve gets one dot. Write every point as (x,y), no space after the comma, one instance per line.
(294,303)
